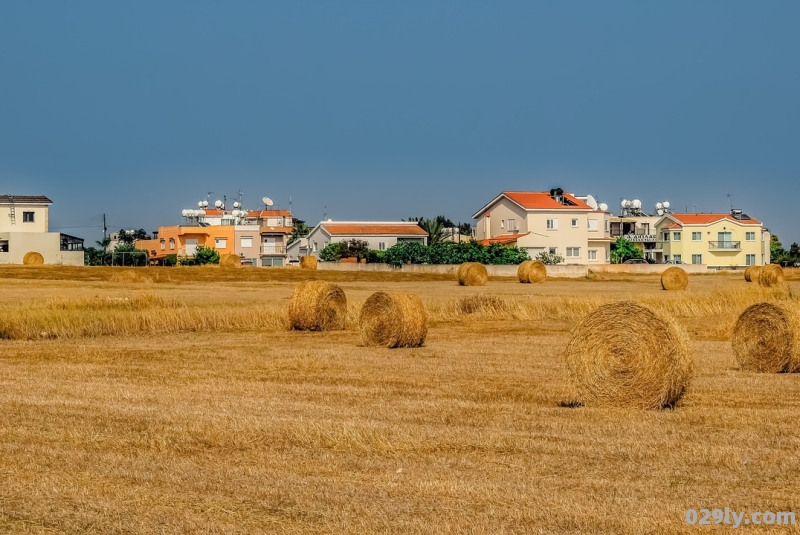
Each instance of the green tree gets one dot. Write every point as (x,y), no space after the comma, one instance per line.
(300,230)
(203,255)
(622,250)
(776,250)
(104,243)
(132,236)
(434,227)
(550,259)
(332,252)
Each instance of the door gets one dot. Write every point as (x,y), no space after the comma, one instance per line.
(191,247)
(724,239)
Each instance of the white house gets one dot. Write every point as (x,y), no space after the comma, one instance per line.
(380,235)
(24,226)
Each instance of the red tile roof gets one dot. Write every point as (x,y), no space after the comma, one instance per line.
(366,229)
(269,213)
(541,200)
(705,219)
(672,226)
(505,239)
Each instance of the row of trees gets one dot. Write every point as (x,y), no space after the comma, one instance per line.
(779,255)
(125,253)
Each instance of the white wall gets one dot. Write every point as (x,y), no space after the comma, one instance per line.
(48,244)
(40,215)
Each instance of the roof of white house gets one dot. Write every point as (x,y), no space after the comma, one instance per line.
(372,228)
(538,200)
(24,199)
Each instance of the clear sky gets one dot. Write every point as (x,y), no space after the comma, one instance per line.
(385,110)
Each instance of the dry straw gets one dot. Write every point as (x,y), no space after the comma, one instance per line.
(472,274)
(393,319)
(308,262)
(771,276)
(625,355)
(32,258)
(317,306)
(751,273)
(230,261)
(532,271)
(674,278)
(766,338)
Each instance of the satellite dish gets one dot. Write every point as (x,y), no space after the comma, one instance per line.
(665,204)
(659,206)
(624,203)
(267,201)
(200,204)
(637,203)
(603,206)
(660,211)
(236,204)
(218,203)
(590,200)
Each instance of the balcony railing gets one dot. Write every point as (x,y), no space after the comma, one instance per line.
(273,249)
(725,245)
(638,231)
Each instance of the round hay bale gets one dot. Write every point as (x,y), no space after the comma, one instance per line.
(674,278)
(472,274)
(317,306)
(771,276)
(393,319)
(32,258)
(308,262)
(751,273)
(766,338)
(625,355)
(532,271)
(230,261)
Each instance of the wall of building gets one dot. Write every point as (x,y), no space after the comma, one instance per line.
(686,246)
(542,239)
(48,244)
(241,235)
(40,218)
(497,223)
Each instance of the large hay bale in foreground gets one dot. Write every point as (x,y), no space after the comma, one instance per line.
(308,262)
(393,319)
(32,258)
(766,338)
(230,261)
(625,355)
(531,271)
(317,306)
(771,276)
(674,278)
(751,273)
(472,274)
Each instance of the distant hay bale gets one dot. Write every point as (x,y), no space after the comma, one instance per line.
(766,338)
(317,306)
(308,262)
(32,258)
(771,276)
(531,271)
(625,355)
(472,274)
(751,273)
(674,278)
(393,319)
(230,261)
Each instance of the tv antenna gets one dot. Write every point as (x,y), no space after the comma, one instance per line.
(730,201)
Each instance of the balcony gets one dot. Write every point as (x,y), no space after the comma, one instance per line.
(724,246)
(268,249)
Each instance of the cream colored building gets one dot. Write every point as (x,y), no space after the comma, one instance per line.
(715,240)
(641,231)
(24,227)
(555,222)
(379,235)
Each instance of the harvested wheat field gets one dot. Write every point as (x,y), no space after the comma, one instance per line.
(178,401)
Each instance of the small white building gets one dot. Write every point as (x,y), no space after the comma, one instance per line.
(379,235)
(24,226)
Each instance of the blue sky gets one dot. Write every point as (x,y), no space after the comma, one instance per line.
(385,110)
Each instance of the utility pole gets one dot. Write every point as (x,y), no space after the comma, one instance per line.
(105,228)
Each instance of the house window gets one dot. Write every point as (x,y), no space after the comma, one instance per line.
(750,260)
(573,252)
(606,225)
(502,223)
(666,236)
(246,242)
(697,259)
(315,246)
(382,246)
(552,224)
(676,236)
(221,243)
(163,245)
(677,259)
(27,217)
(553,250)
(750,236)
(512,225)
(172,244)
(608,254)
(593,224)
(574,223)
(592,254)
(697,236)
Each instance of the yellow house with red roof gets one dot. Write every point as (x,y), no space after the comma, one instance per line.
(553,222)
(716,240)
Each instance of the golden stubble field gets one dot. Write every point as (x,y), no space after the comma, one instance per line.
(174,401)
